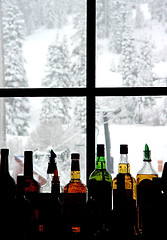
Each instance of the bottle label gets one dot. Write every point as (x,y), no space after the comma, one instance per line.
(124,168)
(75,174)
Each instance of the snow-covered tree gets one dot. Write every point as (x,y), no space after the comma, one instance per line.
(78,58)
(78,67)
(57,75)
(139,19)
(17,109)
(103,15)
(121,22)
(158,10)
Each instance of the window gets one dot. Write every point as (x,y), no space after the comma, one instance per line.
(86,87)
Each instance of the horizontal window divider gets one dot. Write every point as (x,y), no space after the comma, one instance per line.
(82,92)
(131,91)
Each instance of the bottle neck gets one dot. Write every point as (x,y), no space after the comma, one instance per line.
(4,165)
(124,166)
(28,166)
(75,169)
(101,163)
(55,189)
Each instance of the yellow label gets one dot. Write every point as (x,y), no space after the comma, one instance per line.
(124,168)
(75,174)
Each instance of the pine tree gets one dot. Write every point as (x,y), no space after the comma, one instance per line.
(136,68)
(58,76)
(121,22)
(158,10)
(78,67)
(17,109)
(103,18)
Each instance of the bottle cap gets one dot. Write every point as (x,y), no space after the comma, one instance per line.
(52,156)
(4,152)
(52,164)
(147,154)
(28,154)
(123,149)
(100,150)
(75,156)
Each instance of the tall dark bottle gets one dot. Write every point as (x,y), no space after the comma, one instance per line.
(99,196)
(7,183)
(74,201)
(7,198)
(124,198)
(31,185)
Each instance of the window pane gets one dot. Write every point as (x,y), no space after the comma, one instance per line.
(134,121)
(43,43)
(43,124)
(131,43)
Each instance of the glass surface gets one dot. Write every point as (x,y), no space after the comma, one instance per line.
(42,124)
(44,43)
(134,121)
(131,43)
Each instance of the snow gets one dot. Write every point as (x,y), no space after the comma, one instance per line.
(105,77)
(136,136)
(35,51)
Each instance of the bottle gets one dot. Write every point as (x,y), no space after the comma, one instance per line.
(99,196)
(7,198)
(49,205)
(55,188)
(47,188)
(25,217)
(31,185)
(124,196)
(145,191)
(7,183)
(74,202)
(31,190)
(100,183)
(75,185)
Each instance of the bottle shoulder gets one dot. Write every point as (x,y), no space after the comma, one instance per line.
(75,187)
(100,175)
(31,185)
(147,169)
(127,176)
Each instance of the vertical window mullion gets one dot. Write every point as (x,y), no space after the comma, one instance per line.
(91,68)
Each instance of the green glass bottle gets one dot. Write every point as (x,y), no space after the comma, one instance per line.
(99,196)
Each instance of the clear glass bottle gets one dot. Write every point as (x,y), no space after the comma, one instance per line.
(144,186)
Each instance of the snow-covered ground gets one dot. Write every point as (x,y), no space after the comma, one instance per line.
(136,136)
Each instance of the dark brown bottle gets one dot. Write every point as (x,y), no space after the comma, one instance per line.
(7,198)
(74,202)
(7,183)
(31,185)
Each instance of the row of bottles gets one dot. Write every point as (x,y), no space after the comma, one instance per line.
(122,207)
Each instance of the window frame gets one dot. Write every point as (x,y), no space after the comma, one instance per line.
(90,92)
